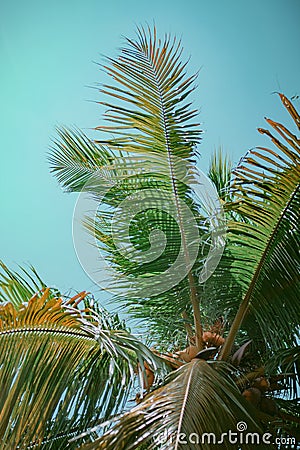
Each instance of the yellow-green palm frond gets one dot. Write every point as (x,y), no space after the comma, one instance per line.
(62,369)
(17,287)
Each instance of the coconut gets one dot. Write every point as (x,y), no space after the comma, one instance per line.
(262,384)
(212,338)
(252,395)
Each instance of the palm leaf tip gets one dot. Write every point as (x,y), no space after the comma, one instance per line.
(19,286)
(75,159)
(151,88)
(219,172)
(266,197)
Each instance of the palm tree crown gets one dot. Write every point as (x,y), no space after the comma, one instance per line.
(208,265)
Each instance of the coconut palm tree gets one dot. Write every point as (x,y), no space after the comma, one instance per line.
(219,306)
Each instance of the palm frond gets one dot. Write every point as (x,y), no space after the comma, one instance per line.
(18,287)
(143,268)
(151,112)
(75,159)
(149,118)
(62,369)
(187,407)
(219,172)
(263,250)
(286,364)
(288,425)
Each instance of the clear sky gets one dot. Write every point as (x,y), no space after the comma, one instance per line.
(245,50)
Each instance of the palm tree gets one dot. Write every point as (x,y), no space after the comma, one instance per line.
(222,347)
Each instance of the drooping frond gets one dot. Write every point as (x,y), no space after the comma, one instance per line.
(263,250)
(75,158)
(183,414)
(61,370)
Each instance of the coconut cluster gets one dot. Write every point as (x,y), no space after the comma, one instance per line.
(256,395)
(209,339)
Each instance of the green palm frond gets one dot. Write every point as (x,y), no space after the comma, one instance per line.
(220,169)
(187,406)
(75,159)
(286,364)
(289,412)
(62,370)
(161,314)
(153,147)
(113,183)
(287,358)
(18,287)
(163,317)
(263,250)
(151,112)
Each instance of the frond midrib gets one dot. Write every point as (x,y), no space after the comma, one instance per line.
(193,292)
(47,330)
(244,307)
(184,403)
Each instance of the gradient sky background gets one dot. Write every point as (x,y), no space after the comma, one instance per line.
(245,50)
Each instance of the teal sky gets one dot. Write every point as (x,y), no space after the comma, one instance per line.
(245,50)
